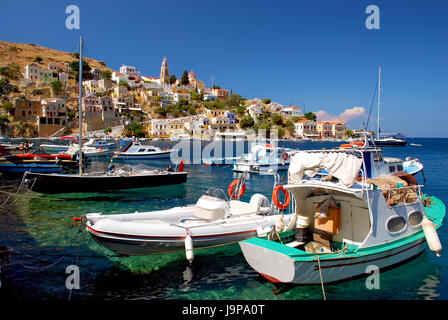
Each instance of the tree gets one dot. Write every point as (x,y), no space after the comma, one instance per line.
(267,101)
(247,122)
(277,119)
(56,87)
(3,123)
(38,59)
(24,129)
(107,74)
(134,129)
(123,83)
(349,133)
(11,71)
(234,100)
(240,110)
(74,66)
(173,79)
(8,107)
(310,116)
(5,86)
(185,80)
(195,95)
(289,126)
(107,130)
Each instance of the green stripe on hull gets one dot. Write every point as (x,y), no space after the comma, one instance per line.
(436,213)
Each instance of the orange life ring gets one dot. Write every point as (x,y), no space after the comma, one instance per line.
(232,186)
(281,206)
(285,156)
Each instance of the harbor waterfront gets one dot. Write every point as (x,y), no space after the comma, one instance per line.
(46,239)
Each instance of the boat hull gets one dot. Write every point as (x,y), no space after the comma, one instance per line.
(36,168)
(53,183)
(279,267)
(163,237)
(134,156)
(260,168)
(390,143)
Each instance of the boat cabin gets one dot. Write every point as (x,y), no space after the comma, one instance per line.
(333,214)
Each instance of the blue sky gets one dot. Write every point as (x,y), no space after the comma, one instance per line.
(315,52)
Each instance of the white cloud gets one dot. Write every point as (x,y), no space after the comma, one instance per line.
(347,115)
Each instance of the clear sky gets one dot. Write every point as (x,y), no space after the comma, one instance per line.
(317,53)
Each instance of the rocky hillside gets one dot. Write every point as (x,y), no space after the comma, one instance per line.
(23,54)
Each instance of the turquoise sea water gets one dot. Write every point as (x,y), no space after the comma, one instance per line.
(42,231)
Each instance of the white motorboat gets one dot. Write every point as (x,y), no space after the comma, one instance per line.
(53,147)
(213,220)
(100,143)
(92,153)
(264,158)
(377,164)
(138,151)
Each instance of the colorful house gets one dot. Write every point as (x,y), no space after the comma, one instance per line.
(324,129)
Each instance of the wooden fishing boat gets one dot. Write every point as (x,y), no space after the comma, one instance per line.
(343,226)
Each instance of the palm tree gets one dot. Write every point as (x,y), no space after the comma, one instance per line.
(25,129)
(3,123)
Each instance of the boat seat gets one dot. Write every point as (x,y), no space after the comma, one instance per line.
(238,208)
(191,220)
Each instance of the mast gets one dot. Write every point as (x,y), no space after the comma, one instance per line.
(80,106)
(379,99)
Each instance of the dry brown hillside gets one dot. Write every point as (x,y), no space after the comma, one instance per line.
(23,54)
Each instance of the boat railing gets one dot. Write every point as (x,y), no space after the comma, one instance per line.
(405,195)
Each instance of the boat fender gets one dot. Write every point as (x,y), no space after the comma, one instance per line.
(232,186)
(431,236)
(189,248)
(77,219)
(181,166)
(275,198)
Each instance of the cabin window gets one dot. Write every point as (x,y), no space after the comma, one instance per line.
(391,169)
(395,224)
(399,167)
(415,218)
(141,150)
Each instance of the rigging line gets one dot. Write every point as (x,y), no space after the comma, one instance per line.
(371,105)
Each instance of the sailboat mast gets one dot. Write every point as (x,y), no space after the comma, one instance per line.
(80,106)
(379,101)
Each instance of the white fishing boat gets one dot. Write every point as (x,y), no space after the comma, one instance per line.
(378,164)
(138,151)
(214,220)
(100,143)
(263,158)
(53,147)
(344,226)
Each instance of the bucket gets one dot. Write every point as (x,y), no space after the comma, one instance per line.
(302,222)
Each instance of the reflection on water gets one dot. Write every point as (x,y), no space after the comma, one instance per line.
(429,289)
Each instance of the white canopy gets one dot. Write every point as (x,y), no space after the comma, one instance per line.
(341,165)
